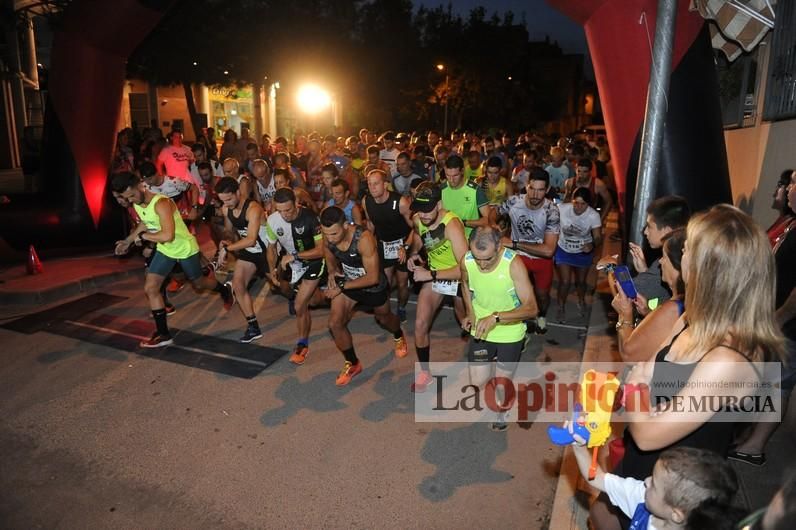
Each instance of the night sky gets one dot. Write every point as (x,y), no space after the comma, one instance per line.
(541,18)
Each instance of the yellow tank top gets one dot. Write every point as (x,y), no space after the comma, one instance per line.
(494,291)
(498,194)
(184,243)
(440,249)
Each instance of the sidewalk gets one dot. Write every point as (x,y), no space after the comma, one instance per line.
(573,495)
(65,277)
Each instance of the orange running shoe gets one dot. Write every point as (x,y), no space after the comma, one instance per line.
(299,355)
(175,286)
(401,348)
(348,373)
(422,381)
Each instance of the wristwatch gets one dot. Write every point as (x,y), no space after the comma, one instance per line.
(341,283)
(497,317)
(433,275)
(514,244)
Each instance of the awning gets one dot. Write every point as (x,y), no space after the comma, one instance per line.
(736,26)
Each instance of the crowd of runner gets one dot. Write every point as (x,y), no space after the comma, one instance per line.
(347,221)
(486,222)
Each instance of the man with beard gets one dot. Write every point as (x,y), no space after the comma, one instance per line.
(242,216)
(356,279)
(161,223)
(442,234)
(535,225)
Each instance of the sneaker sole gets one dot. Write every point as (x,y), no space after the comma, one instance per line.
(172,313)
(499,427)
(251,339)
(158,345)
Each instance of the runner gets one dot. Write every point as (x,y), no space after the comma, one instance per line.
(161,223)
(535,225)
(302,268)
(356,279)
(389,216)
(442,235)
(501,300)
(243,217)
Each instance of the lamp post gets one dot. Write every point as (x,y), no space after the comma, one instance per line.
(441,67)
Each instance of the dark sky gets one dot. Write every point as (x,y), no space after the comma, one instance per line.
(541,18)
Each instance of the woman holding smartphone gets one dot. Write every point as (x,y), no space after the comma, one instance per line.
(728,326)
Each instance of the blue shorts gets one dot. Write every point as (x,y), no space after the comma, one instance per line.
(581,260)
(162,265)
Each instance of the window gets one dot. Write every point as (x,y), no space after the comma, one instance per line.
(780,103)
(738,85)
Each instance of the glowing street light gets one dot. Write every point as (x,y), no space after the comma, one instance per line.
(312,99)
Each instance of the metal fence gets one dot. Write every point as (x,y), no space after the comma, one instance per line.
(780,102)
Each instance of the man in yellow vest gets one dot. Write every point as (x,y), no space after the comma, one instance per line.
(498,297)
(162,224)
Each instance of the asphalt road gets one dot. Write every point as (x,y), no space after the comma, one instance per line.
(97,433)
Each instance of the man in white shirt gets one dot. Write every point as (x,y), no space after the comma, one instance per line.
(389,155)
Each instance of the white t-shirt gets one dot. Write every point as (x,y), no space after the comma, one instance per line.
(529,225)
(626,494)
(576,229)
(177,161)
(520,176)
(218,171)
(390,157)
(402,184)
(171,187)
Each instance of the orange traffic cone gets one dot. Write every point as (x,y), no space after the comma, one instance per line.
(33,265)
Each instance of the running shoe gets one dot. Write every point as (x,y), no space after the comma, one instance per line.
(501,424)
(299,355)
(175,286)
(541,325)
(401,348)
(156,341)
(228,296)
(252,333)
(348,372)
(402,314)
(170,309)
(422,381)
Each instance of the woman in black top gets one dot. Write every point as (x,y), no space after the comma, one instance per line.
(728,325)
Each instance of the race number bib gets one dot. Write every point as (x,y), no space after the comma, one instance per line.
(445,287)
(297,270)
(573,246)
(352,273)
(391,248)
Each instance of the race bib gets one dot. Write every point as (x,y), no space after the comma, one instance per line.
(391,248)
(297,270)
(573,245)
(445,287)
(352,273)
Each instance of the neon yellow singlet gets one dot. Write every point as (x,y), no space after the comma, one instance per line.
(184,243)
(498,194)
(440,249)
(494,291)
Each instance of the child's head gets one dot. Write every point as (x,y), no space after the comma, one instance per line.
(684,480)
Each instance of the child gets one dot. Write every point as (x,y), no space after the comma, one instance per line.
(687,485)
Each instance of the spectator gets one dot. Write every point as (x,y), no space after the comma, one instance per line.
(714,348)
(640,343)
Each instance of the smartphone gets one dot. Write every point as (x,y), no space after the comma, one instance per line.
(622,274)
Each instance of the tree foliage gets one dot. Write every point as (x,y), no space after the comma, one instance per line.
(380,53)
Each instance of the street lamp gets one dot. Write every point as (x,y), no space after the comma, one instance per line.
(441,68)
(312,99)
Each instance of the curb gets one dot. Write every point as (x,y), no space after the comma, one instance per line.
(67,290)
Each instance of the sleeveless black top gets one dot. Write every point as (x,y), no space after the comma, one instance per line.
(350,261)
(713,436)
(386,217)
(241,225)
